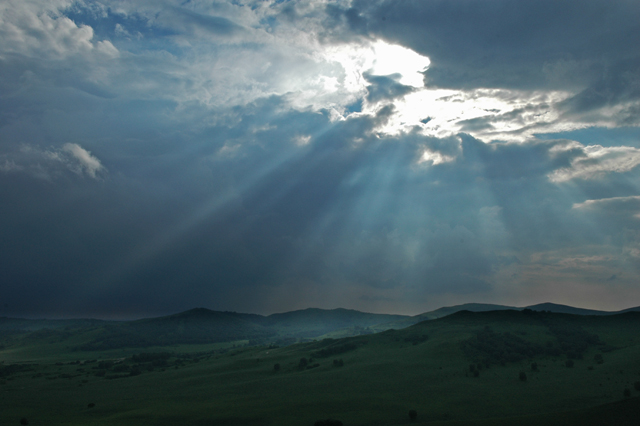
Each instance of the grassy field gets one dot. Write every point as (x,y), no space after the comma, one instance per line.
(439,368)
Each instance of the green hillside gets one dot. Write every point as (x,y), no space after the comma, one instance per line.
(501,367)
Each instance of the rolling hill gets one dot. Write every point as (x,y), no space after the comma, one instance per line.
(484,307)
(505,367)
(204,326)
(195,326)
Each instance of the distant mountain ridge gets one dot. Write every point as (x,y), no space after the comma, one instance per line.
(485,307)
(204,326)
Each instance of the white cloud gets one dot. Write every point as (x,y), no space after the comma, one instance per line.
(49,164)
(635,200)
(221,54)
(434,158)
(597,161)
(39,30)
(85,162)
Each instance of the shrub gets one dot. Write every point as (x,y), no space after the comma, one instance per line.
(24,421)
(335,349)
(636,386)
(151,357)
(91,405)
(523,376)
(276,367)
(627,393)
(303,363)
(534,366)
(413,414)
(121,368)
(105,365)
(569,363)
(416,339)
(598,359)
(338,362)
(159,363)
(328,422)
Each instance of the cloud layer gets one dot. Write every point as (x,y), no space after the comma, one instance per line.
(268,156)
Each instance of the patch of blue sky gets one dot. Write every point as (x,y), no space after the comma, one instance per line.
(269,22)
(354,107)
(619,136)
(104,27)
(131,32)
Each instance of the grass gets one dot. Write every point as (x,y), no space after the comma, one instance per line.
(384,376)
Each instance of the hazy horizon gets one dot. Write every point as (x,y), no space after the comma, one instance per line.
(163,314)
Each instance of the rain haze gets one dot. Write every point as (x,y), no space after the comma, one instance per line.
(267,156)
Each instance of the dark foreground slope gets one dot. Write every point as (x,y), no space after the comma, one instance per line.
(624,412)
(502,368)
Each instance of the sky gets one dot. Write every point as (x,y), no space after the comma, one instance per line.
(268,156)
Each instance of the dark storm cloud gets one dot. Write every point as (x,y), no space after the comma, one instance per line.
(584,47)
(345,208)
(156,159)
(382,87)
(502,44)
(617,84)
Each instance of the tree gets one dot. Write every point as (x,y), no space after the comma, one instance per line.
(24,421)
(413,414)
(636,385)
(303,363)
(627,393)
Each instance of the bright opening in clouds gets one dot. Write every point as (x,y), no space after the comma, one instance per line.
(266,156)
(389,59)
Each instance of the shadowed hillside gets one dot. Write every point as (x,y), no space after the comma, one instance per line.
(195,326)
(484,307)
(504,367)
(316,322)
(203,326)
